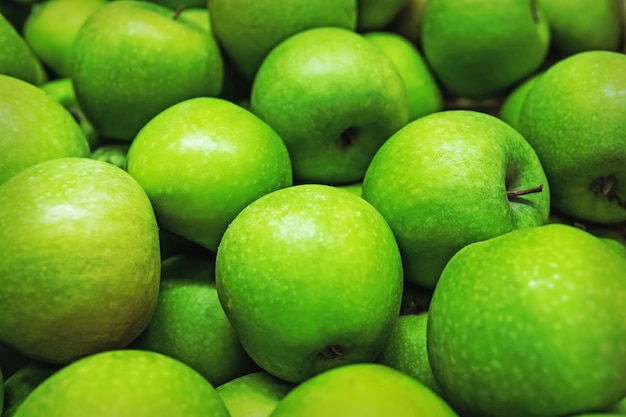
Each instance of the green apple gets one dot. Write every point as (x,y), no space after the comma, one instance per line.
(511,107)
(580,25)
(253,395)
(23,382)
(354,188)
(114,152)
(189,323)
(51,27)
(407,352)
(17,59)
(408,22)
(364,389)
(45,131)
(377,14)
(231,158)
(248,30)
(452,178)
(62,90)
(619,408)
(80,259)
(124,383)
(573,118)
(310,277)
(334,98)
(481,48)
(422,89)
(530,323)
(134,59)
(198,15)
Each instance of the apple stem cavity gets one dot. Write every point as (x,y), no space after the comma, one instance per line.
(178,11)
(517,193)
(332,352)
(606,187)
(348,137)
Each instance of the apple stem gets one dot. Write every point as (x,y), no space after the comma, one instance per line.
(178,11)
(533,11)
(607,186)
(517,193)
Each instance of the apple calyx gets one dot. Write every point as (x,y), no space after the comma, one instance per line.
(347,138)
(332,352)
(607,187)
(517,193)
(178,11)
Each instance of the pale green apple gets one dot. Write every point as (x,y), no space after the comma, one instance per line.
(364,389)
(80,262)
(51,27)
(582,25)
(124,383)
(377,14)
(231,158)
(574,119)
(248,30)
(23,382)
(511,106)
(34,127)
(310,277)
(408,22)
(253,395)
(17,59)
(134,59)
(480,48)
(452,178)
(423,92)
(531,323)
(334,98)
(189,323)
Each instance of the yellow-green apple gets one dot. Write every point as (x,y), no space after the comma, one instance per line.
(124,383)
(511,106)
(334,98)
(19,385)
(231,158)
(134,59)
(310,277)
(573,118)
(80,262)
(34,127)
(17,59)
(423,92)
(51,27)
(189,323)
(363,389)
(481,48)
(377,14)
(253,395)
(452,178)
(248,30)
(531,323)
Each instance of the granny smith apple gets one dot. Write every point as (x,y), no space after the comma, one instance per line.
(530,323)
(334,98)
(189,323)
(124,383)
(423,92)
(231,158)
(51,27)
(310,277)
(407,352)
(511,106)
(134,59)
(579,25)
(355,187)
(573,118)
(253,395)
(80,267)
(481,48)
(377,14)
(17,59)
(34,127)
(114,152)
(248,30)
(23,382)
(452,178)
(364,389)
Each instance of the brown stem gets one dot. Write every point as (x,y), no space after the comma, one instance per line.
(178,11)
(517,193)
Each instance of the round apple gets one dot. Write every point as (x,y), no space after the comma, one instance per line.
(254,394)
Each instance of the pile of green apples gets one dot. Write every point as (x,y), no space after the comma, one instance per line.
(312,208)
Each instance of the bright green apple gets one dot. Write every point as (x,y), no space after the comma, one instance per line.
(574,119)
(423,92)
(377,14)
(45,130)
(531,323)
(364,389)
(231,158)
(334,98)
(310,277)
(581,25)
(134,59)
(481,48)
(124,383)
(253,395)
(80,262)
(452,178)
(354,188)
(511,107)
(189,323)
(248,30)
(17,59)
(23,382)
(51,27)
